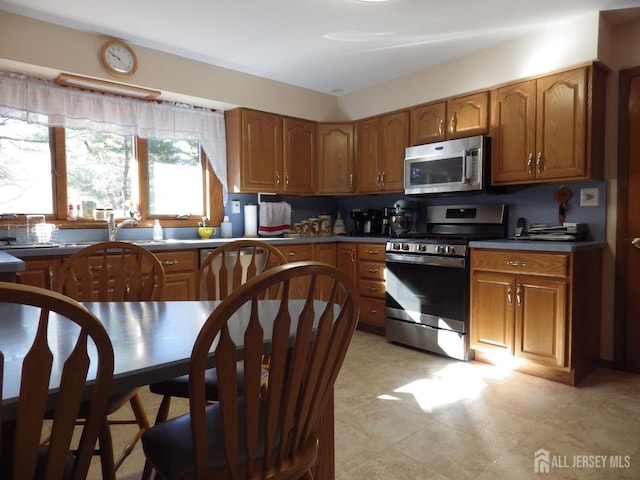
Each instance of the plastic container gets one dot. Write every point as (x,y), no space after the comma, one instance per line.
(226,228)
(157,230)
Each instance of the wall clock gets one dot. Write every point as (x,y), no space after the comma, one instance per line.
(118,58)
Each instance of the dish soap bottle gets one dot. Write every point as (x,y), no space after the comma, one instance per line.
(157,230)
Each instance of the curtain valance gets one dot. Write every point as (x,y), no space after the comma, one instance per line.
(45,103)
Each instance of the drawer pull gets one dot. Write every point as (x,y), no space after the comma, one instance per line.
(373,270)
(372,252)
(168,263)
(291,254)
(515,263)
(372,289)
(372,311)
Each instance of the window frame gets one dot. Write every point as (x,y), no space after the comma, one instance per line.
(211,188)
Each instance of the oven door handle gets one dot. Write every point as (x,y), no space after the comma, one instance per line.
(455,262)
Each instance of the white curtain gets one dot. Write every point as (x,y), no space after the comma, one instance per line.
(45,103)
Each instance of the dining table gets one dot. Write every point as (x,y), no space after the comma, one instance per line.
(152,342)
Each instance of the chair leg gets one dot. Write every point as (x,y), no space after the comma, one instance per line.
(143,425)
(163,409)
(106,452)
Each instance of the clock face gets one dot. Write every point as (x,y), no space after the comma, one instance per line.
(119,59)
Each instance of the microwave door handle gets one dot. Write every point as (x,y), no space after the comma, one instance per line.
(465,166)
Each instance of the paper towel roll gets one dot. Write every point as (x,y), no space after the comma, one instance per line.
(250,220)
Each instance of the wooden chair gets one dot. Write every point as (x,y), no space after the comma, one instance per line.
(222,272)
(253,435)
(114,272)
(22,456)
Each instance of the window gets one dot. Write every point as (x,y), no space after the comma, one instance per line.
(25,168)
(161,178)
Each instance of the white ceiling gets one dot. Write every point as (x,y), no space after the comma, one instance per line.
(331,46)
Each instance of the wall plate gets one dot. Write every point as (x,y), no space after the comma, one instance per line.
(589,197)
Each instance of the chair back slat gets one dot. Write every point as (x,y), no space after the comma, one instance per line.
(65,367)
(111,272)
(307,341)
(231,265)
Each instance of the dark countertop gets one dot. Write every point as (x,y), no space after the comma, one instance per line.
(10,264)
(537,245)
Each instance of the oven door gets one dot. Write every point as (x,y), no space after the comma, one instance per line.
(427,289)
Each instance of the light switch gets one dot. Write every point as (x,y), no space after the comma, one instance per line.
(589,197)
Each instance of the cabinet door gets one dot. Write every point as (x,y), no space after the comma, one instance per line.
(541,320)
(298,156)
(468,115)
(325,252)
(39,272)
(561,120)
(513,133)
(335,158)
(367,154)
(180,269)
(261,152)
(427,123)
(492,311)
(298,253)
(394,138)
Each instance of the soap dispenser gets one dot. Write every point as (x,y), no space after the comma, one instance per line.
(157,230)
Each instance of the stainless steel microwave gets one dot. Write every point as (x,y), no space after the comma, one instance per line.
(460,165)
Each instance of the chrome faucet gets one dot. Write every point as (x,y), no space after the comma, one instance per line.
(114,229)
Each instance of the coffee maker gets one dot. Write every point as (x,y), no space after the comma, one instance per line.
(366,222)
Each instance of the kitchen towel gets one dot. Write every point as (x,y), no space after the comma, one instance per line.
(275,218)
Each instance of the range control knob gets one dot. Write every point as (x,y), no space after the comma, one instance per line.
(439,248)
(405,246)
(422,247)
(450,249)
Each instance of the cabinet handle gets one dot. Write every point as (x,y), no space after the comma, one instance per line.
(291,254)
(382,179)
(378,179)
(452,124)
(351,179)
(636,242)
(286,178)
(372,270)
(530,163)
(372,252)
(539,162)
(509,295)
(372,289)
(372,311)
(277,177)
(168,263)
(519,295)
(353,256)
(516,263)
(50,277)
(441,127)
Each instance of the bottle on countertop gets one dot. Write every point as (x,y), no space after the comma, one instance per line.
(157,230)
(226,228)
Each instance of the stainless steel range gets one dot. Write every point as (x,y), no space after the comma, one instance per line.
(427,278)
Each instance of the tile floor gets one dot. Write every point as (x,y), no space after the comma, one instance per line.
(403,414)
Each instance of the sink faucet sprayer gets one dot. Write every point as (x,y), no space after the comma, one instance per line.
(114,229)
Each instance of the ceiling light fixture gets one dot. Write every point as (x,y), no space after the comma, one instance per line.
(68,80)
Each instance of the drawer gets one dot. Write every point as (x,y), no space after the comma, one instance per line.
(178,260)
(371,288)
(547,264)
(371,252)
(297,253)
(372,312)
(371,270)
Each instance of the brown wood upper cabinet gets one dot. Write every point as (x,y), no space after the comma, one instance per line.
(457,117)
(335,158)
(269,153)
(380,144)
(549,129)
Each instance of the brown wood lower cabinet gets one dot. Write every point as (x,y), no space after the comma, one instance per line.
(371,285)
(39,272)
(539,311)
(180,267)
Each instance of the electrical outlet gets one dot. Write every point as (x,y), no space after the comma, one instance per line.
(589,197)
(235,206)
